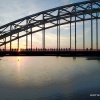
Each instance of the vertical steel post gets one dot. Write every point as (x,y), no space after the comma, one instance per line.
(43,33)
(10,43)
(83,33)
(31,39)
(26,36)
(18,41)
(57,35)
(91,29)
(5,44)
(26,42)
(10,38)
(96,31)
(70,32)
(75,28)
(58,31)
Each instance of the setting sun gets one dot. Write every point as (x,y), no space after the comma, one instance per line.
(18,50)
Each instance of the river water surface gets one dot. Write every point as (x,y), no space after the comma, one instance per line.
(49,78)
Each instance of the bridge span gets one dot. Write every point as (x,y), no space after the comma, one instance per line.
(55,17)
(50,52)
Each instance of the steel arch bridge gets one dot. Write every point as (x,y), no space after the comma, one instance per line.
(67,14)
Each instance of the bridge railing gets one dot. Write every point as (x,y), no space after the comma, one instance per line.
(46,49)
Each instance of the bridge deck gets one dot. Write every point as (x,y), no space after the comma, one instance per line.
(52,53)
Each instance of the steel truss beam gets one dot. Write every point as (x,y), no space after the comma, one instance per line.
(54,17)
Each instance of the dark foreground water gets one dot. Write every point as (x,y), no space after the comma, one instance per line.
(49,78)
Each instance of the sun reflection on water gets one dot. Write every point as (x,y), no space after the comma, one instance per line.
(18,78)
(18,58)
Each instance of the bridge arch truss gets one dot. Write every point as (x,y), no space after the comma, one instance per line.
(68,14)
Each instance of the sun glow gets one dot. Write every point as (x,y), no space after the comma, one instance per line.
(18,50)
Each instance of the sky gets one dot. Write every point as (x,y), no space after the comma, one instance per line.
(11,10)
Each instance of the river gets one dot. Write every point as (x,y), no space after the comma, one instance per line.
(49,78)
